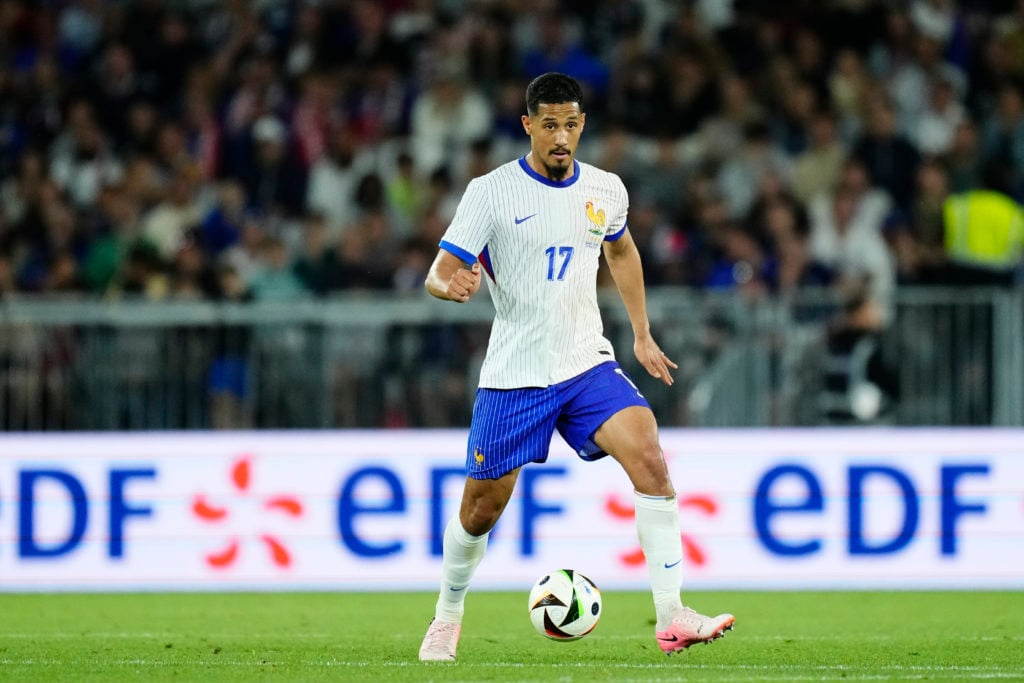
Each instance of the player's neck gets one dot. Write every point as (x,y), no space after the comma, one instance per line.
(542,170)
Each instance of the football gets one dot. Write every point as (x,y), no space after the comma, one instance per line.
(564,605)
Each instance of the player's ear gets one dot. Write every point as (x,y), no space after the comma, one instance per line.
(526,124)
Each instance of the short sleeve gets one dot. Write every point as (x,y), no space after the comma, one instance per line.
(617,225)
(471,228)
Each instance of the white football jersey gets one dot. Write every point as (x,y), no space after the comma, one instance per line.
(539,242)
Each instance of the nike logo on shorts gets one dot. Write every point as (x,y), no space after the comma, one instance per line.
(523,220)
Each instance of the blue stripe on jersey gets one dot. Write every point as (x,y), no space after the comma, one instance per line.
(547,181)
(457,251)
(485,259)
(615,237)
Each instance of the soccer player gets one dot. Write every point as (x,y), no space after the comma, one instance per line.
(537,226)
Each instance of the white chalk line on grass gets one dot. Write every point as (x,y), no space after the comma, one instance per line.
(177,635)
(291,635)
(248,663)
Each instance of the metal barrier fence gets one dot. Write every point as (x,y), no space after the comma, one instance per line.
(954,358)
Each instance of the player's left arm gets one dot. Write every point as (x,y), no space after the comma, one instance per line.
(627,271)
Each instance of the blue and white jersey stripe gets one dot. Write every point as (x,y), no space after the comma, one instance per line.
(540,242)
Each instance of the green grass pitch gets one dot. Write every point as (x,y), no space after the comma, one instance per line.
(779,636)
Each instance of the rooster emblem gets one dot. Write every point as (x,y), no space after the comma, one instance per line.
(595,217)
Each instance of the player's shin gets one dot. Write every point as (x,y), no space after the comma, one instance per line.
(657,526)
(462,554)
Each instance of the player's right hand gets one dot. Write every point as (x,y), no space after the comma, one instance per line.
(464,283)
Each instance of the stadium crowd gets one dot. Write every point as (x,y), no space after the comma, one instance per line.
(276,149)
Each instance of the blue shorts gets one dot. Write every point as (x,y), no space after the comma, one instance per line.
(512,427)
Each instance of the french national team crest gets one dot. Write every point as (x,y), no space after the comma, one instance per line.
(596,216)
(597,219)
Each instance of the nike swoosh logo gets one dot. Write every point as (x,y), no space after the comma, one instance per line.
(673,639)
(669,566)
(453,588)
(522,220)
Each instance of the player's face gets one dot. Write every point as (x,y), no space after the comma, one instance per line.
(554,135)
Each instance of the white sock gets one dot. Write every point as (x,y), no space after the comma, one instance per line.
(657,526)
(462,553)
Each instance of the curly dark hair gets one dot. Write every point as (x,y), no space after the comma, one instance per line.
(552,88)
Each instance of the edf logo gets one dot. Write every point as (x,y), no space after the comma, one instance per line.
(768,507)
(31,500)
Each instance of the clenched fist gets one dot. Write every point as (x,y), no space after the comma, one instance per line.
(464,283)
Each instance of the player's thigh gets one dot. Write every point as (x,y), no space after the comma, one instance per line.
(483,501)
(631,437)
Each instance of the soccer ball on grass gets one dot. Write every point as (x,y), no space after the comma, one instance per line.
(564,605)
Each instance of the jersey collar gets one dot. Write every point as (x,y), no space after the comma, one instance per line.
(547,181)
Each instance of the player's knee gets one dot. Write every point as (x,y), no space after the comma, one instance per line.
(648,471)
(480,515)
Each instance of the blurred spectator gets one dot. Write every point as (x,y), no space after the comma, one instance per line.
(142,276)
(846,235)
(83,161)
(891,161)
(118,231)
(317,264)
(20,190)
(228,381)
(848,84)
(636,85)
(404,194)
(692,94)
(721,135)
(447,118)
(164,227)
(818,169)
(740,262)
(223,224)
(790,127)
(662,245)
(934,132)
(792,267)
(118,84)
(664,176)
(964,158)
(274,279)
(1003,136)
(557,49)
(333,179)
(860,386)
(191,277)
(305,49)
(313,118)
(381,107)
(920,246)
(275,183)
(742,173)
(984,230)
(412,264)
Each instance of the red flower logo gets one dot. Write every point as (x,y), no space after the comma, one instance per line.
(240,478)
(692,550)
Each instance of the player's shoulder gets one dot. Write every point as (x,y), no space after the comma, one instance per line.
(507,170)
(494,181)
(598,176)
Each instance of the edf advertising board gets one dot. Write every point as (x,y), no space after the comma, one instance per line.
(366,510)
